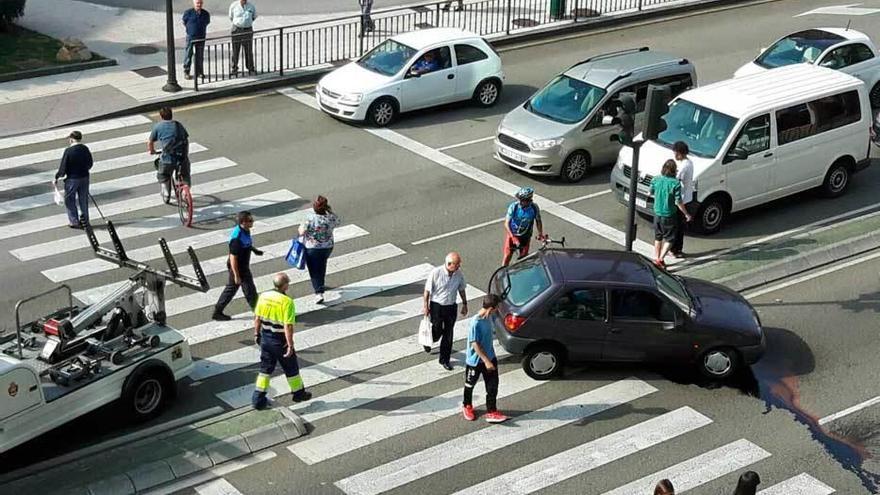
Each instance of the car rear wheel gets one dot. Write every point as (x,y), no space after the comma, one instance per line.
(487,93)
(146,394)
(836,180)
(382,112)
(575,167)
(719,363)
(543,362)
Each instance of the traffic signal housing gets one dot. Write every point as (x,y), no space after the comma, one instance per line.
(626,111)
(656,106)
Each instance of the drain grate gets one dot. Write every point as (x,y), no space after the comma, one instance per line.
(524,23)
(151,71)
(142,50)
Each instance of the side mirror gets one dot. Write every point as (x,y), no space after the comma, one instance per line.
(735,154)
(607,120)
(413,72)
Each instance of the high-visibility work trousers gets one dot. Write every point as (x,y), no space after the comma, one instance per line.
(272,349)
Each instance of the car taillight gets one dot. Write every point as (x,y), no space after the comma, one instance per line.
(512,322)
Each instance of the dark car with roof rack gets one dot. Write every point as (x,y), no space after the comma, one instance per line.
(564,306)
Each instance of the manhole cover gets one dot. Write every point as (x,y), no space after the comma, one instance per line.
(585,13)
(142,50)
(424,25)
(525,23)
(151,71)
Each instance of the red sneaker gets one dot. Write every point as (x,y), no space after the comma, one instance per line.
(495,417)
(468,413)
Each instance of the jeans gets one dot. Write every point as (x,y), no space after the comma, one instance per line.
(197,49)
(442,322)
(76,192)
(678,242)
(243,37)
(316,262)
(247,287)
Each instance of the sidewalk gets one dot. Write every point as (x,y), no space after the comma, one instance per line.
(44,102)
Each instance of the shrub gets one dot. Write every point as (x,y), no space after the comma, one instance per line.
(10,10)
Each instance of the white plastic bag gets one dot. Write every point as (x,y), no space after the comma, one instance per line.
(426,336)
(58,196)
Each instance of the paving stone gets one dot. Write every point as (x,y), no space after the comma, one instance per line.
(115,485)
(227,449)
(265,436)
(295,427)
(189,463)
(150,475)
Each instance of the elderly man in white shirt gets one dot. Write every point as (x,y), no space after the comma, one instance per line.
(685,175)
(440,289)
(242,14)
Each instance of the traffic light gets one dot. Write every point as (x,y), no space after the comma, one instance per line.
(656,106)
(626,110)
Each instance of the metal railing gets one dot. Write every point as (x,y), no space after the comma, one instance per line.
(339,40)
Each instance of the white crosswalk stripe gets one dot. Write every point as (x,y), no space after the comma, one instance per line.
(459,450)
(63,132)
(99,166)
(55,154)
(802,484)
(110,186)
(153,225)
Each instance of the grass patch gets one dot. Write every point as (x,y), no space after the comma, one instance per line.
(22,49)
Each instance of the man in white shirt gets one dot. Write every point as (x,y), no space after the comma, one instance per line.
(440,289)
(242,14)
(685,175)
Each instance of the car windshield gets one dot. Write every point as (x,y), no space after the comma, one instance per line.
(797,48)
(526,280)
(387,58)
(565,100)
(672,288)
(703,130)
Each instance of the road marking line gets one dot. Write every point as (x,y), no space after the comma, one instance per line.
(215,265)
(213,473)
(217,487)
(109,186)
(802,484)
(153,225)
(378,388)
(63,132)
(811,276)
(200,300)
(55,154)
(699,470)
(592,455)
(848,10)
(99,166)
(482,442)
(178,246)
(485,178)
(216,329)
(315,449)
(586,196)
(849,410)
(466,143)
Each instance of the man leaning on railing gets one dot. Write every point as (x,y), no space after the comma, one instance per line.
(242,14)
(196,21)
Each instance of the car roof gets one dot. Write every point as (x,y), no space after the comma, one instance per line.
(422,38)
(844,34)
(602,70)
(742,96)
(600,265)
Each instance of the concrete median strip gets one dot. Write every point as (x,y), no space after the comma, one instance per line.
(168,457)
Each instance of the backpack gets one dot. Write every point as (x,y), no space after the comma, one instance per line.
(178,147)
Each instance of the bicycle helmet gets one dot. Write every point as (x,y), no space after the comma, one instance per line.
(525,193)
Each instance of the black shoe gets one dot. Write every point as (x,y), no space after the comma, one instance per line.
(427,349)
(252,73)
(302,396)
(220,317)
(74,226)
(447,366)
(187,76)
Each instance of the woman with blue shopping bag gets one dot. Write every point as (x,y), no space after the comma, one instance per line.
(317,238)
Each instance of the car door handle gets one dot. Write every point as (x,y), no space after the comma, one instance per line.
(450,76)
(616,330)
(767,155)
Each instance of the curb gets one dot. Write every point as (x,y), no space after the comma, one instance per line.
(57,69)
(305,76)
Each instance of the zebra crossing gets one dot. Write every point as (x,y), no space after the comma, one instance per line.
(383,337)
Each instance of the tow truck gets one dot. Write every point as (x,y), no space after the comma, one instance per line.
(75,360)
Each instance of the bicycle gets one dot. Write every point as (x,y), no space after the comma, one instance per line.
(182,195)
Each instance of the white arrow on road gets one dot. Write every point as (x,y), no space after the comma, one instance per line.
(850,9)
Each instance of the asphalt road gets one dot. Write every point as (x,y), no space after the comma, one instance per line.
(402,197)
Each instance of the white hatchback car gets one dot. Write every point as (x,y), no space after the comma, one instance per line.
(413,70)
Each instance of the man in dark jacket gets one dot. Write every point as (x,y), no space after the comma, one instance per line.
(241,245)
(75,165)
(196,21)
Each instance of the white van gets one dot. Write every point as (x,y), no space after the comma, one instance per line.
(758,138)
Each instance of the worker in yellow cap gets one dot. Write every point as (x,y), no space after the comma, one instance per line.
(275,315)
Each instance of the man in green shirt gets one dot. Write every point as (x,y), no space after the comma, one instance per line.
(666,190)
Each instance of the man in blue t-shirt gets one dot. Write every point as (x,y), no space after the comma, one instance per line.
(196,21)
(522,215)
(241,245)
(174,141)
(480,360)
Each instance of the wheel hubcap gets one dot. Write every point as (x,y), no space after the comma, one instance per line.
(712,216)
(543,363)
(838,180)
(488,94)
(717,362)
(577,166)
(384,113)
(148,396)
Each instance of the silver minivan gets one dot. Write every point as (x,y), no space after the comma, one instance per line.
(559,131)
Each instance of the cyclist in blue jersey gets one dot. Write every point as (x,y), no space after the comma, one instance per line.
(522,216)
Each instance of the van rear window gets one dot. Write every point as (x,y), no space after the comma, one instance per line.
(526,280)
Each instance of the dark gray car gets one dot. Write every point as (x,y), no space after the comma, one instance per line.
(575,305)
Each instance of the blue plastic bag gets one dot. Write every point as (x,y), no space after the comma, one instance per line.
(296,255)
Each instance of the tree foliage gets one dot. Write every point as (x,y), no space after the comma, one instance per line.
(10,10)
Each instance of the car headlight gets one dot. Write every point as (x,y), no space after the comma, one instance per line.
(351,97)
(543,144)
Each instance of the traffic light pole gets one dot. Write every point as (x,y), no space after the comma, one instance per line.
(633,191)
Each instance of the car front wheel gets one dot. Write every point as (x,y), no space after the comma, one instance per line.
(487,93)
(543,362)
(836,180)
(382,112)
(710,215)
(719,363)
(575,167)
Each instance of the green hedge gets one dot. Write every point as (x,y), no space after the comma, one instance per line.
(10,10)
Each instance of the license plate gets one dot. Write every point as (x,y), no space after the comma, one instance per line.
(641,203)
(510,154)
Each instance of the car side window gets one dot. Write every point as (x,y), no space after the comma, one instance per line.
(433,60)
(754,136)
(846,56)
(580,304)
(468,54)
(836,111)
(861,52)
(628,304)
(794,123)
(641,92)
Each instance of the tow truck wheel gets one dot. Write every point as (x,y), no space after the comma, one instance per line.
(116,358)
(146,393)
(154,341)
